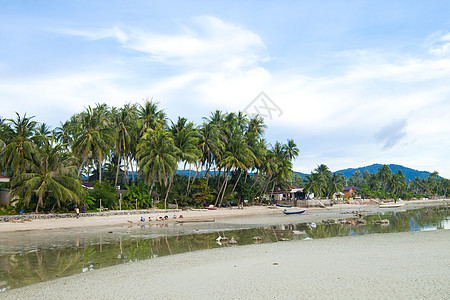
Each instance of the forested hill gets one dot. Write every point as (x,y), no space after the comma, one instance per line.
(408,172)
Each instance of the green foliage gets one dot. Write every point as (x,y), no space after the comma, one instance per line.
(137,192)
(202,194)
(106,192)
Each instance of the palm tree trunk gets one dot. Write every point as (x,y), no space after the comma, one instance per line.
(118,163)
(167,193)
(196,173)
(82,164)
(235,184)
(219,192)
(207,173)
(99,171)
(224,189)
(131,167)
(189,178)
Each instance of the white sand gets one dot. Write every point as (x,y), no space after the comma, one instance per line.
(412,265)
(312,215)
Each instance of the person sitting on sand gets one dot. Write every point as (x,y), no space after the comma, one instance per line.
(166,217)
(149,219)
(181,217)
(142,219)
(174,216)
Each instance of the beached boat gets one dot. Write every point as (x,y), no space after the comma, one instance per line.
(293,212)
(281,205)
(210,208)
(391,205)
(195,220)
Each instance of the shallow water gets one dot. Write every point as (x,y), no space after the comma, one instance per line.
(30,257)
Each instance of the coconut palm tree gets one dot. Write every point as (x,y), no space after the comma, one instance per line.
(314,184)
(384,174)
(150,116)
(20,148)
(93,136)
(157,155)
(336,184)
(123,120)
(209,144)
(51,173)
(236,156)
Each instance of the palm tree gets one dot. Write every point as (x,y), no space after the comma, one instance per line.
(21,148)
(236,156)
(291,150)
(124,118)
(42,134)
(384,174)
(186,140)
(314,184)
(157,155)
(93,136)
(336,184)
(51,173)
(397,182)
(150,116)
(209,144)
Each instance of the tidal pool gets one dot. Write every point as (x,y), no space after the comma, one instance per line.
(30,257)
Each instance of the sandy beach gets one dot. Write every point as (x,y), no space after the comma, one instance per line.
(411,265)
(311,215)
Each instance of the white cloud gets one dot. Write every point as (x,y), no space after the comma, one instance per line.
(334,117)
(209,44)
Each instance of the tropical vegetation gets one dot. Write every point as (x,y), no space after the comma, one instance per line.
(225,160)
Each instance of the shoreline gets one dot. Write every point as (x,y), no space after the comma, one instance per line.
(390,266)
(220,215)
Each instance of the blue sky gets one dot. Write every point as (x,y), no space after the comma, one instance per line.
(358,82)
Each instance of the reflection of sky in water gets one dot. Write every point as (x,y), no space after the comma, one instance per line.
(84,249)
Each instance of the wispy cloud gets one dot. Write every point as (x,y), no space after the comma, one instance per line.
(207,43)
(391,134)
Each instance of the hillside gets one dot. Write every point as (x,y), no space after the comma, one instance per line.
(408,172)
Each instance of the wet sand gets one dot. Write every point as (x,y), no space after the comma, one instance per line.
(253,214)
(411,265)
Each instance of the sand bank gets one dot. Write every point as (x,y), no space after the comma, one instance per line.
(256,215)
(391,266)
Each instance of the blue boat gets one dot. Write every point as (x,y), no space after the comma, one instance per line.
(281,205)
(293,212)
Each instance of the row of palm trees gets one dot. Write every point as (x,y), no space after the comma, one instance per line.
(138,141)
(323,183)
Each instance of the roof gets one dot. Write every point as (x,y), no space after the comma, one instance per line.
(348,188)
(4,178)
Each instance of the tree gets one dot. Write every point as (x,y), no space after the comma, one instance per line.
(157,155)
(384,174)
(21,148)
(336,184)
(93,136)
(51,173)
(123,125)
(314,184)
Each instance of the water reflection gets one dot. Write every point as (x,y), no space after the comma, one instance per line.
(65,255)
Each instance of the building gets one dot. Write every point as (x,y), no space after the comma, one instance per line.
(4,193)
(351,191)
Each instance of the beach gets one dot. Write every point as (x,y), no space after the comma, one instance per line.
(255,214)
(410,265)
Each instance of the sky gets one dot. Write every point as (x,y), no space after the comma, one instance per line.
(353,82)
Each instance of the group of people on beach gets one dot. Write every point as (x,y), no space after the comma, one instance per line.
(77,210)
(165,218)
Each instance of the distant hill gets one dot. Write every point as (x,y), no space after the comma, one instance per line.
(302,175)
(408,172)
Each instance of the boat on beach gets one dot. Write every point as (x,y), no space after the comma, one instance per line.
(293,212)
(195,220)
(281,205)
(391,205)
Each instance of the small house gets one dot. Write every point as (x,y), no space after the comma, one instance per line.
(350,191)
